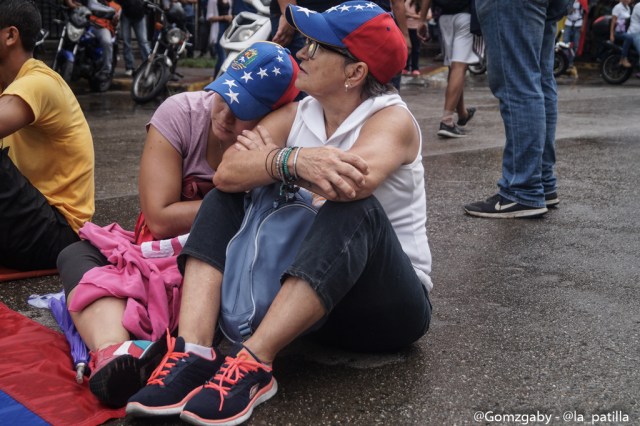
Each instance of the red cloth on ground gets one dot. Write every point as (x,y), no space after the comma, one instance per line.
(36,371)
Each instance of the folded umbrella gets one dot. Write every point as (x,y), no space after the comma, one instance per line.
(79,351)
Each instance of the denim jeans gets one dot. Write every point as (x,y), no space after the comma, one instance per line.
(572,35)
(351,257)
(520,37)
(627,40)
(140,28)
(106,42)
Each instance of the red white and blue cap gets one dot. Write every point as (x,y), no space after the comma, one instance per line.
(363,28)
(259,80)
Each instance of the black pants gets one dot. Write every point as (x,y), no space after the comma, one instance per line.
(351,257)
(32,232)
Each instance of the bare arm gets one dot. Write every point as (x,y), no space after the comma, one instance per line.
(400,13)
(424,9)
(330,172)
(285,32)
(612,29)
(243,165)
(15,114)
(388,140)
(160,187)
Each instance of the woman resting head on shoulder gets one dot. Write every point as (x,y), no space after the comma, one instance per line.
(187,135)
(361,273)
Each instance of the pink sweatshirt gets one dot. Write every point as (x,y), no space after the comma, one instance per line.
(150,285)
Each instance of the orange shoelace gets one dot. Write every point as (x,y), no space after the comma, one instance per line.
(167,362)
(232,371)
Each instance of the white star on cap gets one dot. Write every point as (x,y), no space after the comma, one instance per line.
(263,73)
(359,7)
(279,58)
(276,71)
(230,83)
(371,5)
(305,11)
(344,8)
(246,77)
(333,9)
(233,96)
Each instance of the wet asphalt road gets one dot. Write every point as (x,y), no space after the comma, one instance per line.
(530,316)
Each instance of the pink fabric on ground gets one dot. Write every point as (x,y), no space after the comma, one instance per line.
(151,286)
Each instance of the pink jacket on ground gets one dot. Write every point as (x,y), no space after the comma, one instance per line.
(151,285)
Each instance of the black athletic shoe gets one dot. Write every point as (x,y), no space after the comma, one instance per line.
(242,383)
(180,375)
(471,111)
(118,371)
(501,208)
(450,131)
(551,200)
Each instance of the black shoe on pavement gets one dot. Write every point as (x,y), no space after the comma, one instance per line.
(501,208)
(178,377)
(551,200)
(450,131)
(471,111)
(242,383)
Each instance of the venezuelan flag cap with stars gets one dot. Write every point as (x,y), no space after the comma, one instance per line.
(363,28)
(259,80)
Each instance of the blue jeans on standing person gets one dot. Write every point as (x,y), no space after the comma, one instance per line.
(106,42)
(520,37)
(627,40)
(351,257)
(140,28)
(572,35)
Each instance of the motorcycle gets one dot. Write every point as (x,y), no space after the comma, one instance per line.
(170,42)
(245,29)
(563,55)
(79,53)
(611,52)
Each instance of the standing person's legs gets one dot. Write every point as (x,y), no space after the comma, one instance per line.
(636,41)
(414,57)
(104,36)
(140,28)
(32,232)
(549,88)
(125,25)
(513,32)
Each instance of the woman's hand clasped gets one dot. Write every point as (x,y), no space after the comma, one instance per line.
(334,173)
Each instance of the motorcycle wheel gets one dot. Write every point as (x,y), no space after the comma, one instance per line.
(478,68)
(560,64)
(611,70)
(149,86)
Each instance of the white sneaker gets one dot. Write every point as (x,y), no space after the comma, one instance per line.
(128,73)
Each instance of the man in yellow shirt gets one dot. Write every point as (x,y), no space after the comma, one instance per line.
(46,149)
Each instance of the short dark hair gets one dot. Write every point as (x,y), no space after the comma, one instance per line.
(25,16)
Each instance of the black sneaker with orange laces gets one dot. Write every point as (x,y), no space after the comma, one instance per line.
(179,375)
(242,383)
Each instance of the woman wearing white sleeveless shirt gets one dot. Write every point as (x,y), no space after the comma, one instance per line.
(362,271)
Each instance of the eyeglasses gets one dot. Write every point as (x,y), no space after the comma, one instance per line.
(312,48)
